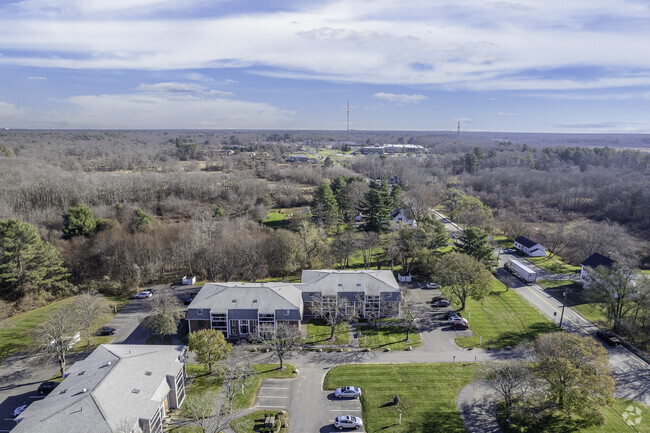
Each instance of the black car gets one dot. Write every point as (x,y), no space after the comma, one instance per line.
(47,387)
(106,330)
(187,300)
(609,337)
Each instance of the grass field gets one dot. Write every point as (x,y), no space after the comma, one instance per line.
(427,395)
(16,332)
(577,299)
(614,421)
(264,371)
(201,381)
(387,337)
(503,319)
(318,332)
(554,265)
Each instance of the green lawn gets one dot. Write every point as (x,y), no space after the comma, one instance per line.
(427,394)
(614,421)
(253,422)
(201,381)
(503,319)
(387,337)
(554,265)
(577,299)
(16,331)
(318,332)
(502,241)
(264,371)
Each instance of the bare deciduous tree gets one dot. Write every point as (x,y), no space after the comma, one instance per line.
(287,339)
(58,333)
(87,308)
(509,378)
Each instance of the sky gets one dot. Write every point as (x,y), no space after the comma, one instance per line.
(578,66)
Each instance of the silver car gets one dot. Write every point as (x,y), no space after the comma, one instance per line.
(347,392)
(347,421)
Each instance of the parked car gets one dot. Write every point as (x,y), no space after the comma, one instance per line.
(47,387)
(19,410)
(451,315)
(347,421)
(106,330)
(187,300)
(441,303)
(459,324)
(347,392)
(609,337)
(143,295)
(432,286)
(152,291)
(509,251)
(439,298)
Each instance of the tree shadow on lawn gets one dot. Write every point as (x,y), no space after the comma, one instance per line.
(513,338)
(436,421)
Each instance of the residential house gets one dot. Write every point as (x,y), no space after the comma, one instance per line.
(530,247)
(240,309)
(366,292)
(117,388)
(593,261)
(399,218)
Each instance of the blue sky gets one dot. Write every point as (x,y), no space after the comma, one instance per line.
(531,66)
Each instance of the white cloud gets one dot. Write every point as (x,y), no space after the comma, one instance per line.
(171,87)
(471,44)
(36,78)
(400,99)
(504,114)
(195,76)
(150,110)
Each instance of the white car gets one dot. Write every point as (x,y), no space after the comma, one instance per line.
(347,421)
(347,392)
(432,286)
(143,295)
(19,410)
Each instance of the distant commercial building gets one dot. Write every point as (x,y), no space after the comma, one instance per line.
(392,149)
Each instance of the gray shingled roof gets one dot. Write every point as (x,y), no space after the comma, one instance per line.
(330,282)
(108,401)
(266,298)
(528,243)
(596,259)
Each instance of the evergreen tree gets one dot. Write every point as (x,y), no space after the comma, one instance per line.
(395,197)
(339,189)
(28,265)
(140,221)
(324,206)
(471,162)
(79,221)
(474,242)
(374,210)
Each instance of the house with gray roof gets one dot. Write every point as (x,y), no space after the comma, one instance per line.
(592,262)
(240,309)
(117,388)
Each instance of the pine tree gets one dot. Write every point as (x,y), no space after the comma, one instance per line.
(374,210)
(79,221)
(28,265)
(324,206)
(474,242)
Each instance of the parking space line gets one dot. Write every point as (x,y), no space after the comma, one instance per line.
(270,387)
(345,410)
(269,396)
(275,407)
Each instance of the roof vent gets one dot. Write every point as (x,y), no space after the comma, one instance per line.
(254,301)
(147,373)
(84,390)
(108,363)
(340,284)
(64,391)
(358,284)
(81,373)
(135,391)
(234,300)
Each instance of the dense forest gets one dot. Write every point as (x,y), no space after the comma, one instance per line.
(116,209)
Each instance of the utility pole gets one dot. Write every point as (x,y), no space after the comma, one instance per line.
(458,133)
(348,130)
(563,304)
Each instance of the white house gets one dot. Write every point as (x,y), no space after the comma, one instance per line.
(530,247)
(400,218)
(593,261)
